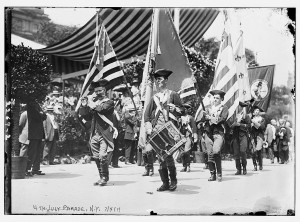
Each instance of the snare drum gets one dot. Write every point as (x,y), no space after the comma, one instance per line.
(166,140)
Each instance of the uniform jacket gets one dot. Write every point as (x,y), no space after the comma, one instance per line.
(35,122)
(260,131)
(23,125)
(131,123)
(219,127)
(244,128)
(190,126)
(173,98)
(106,108)
(85,117)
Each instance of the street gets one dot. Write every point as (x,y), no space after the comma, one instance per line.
(68,189)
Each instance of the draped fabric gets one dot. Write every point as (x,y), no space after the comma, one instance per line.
(128,30)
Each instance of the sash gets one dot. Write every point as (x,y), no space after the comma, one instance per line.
(105,119)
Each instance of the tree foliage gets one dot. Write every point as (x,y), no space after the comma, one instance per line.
(280,104)
(30,74)
(50,33)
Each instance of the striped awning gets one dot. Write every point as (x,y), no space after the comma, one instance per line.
(128,30)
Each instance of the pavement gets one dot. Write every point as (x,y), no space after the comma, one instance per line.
(68,189)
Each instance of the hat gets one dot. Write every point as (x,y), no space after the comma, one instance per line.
(187,105)
(121,88)
(135,81)
(99,83)
(162,72)
(257,107)
(217,92)
(49,108)
(244,104)
(55,92)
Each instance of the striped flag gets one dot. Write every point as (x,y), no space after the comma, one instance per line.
(225,74)
(187,91)
(104,64)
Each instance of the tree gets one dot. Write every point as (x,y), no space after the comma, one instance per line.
(210,48)
(30,75)
(50,33)
(280,104)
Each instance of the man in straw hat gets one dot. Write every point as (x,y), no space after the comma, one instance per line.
(131,130)
(51,136)
(164,106)
(258,127)
(240,141)
(214,118)
(103,130)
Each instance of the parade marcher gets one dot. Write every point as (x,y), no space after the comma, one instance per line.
(283,139)
(240,133)
(132,124)
(257,136)
(103,131)
(51,136)
(23,137)
(36,134)
(189,130)
(214,130)
(157,113)
(270,138)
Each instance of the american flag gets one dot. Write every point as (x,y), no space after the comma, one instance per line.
(225,74)
(104,64)
(187,91)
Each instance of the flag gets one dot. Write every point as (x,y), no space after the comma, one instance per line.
(165,51)
(261,82)
(186,92)
(225,77)
(241,70)
(104,64)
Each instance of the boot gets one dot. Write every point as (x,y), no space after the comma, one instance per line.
(219,177)
(183,169)
(97,161)
(146,173)
(255,168)
(244,164)
(219,166)
(212,170)
(172,171)
(151,171)
(164,178)
(104,171)
(238,167)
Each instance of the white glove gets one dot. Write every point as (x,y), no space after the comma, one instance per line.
(148,127)
(115,134)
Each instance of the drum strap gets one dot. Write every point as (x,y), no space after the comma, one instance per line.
(166,114)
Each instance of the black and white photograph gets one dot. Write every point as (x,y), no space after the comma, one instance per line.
(163,110)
